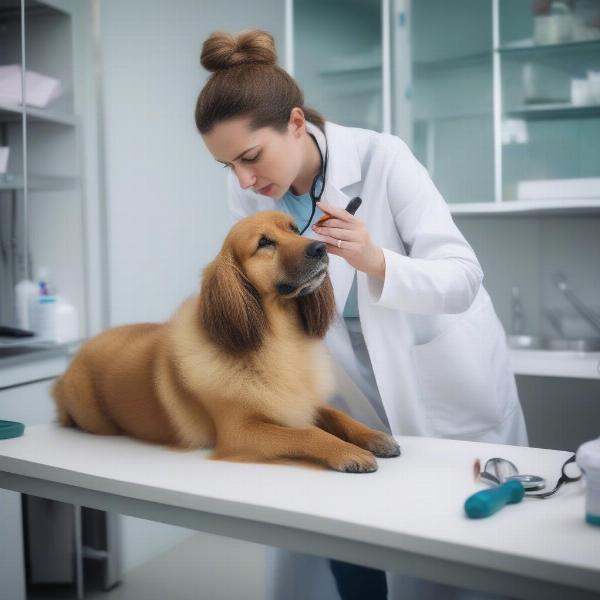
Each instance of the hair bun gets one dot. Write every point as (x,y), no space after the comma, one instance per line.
(222,50)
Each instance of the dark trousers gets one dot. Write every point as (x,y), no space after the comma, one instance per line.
(359,583)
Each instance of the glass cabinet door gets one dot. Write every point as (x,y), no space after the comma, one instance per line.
(54,194)
(444,105)
(338,59)
(13,259)
(550,77)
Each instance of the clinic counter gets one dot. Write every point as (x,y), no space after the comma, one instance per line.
(407,517)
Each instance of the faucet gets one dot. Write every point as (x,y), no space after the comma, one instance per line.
(591,317)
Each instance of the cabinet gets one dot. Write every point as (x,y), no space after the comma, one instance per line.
(483,93)
(338,59)
(499,99)
(506,102)
(41,202)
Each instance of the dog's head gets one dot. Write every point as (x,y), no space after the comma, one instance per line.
(264,260)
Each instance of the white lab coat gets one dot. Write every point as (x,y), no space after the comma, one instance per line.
(437,348)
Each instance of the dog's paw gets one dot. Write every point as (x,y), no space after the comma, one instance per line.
(382,445)
(356,461)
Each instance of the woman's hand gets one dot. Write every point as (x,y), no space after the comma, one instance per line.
(347,236)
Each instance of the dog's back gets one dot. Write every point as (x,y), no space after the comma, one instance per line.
(110,388)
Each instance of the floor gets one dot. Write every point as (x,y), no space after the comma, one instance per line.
(203,567)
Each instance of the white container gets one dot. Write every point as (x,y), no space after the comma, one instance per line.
(4,152)
(25,293)
(581,92)
(556,189)
(44,322)
(593,78)
(588,460)
(67,322)
(553,29)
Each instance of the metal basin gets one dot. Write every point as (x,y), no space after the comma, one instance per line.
(525,342)
(534,342)
(574,345)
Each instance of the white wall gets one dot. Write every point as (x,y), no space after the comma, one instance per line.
(165,195)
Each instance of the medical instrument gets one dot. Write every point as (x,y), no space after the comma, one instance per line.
(351,208)
(11,429)
(564,478)
(487,502)
(318,184)
(504,474)
(499,470)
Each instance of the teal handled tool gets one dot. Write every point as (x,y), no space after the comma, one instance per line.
(510,487)
(11,429)
(487,502)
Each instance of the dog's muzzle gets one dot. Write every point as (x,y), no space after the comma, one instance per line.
(311,276)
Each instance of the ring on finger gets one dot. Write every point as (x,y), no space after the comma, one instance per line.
(339,244)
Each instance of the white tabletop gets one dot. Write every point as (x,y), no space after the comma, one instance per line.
(413,503)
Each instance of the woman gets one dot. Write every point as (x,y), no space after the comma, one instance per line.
(420,340)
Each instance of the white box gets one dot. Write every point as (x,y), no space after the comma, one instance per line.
(4,151)
(556,189)
(40,90)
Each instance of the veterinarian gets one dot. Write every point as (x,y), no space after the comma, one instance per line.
(429,354)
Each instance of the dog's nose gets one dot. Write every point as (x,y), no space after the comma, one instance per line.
(315,250)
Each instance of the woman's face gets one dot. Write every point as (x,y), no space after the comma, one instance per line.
(264,160)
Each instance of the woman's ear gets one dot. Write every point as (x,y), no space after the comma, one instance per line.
(317,310)
(297,121)
(230,309)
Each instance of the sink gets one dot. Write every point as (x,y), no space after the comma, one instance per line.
(525,342)
(533,342)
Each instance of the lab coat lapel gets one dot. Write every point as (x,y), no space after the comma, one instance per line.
(340,272)
(343,169)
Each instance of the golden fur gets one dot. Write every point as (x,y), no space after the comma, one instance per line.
(240,367)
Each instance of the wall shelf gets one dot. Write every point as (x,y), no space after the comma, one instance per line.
(551,363)
(527,47)
(555,111)
(14,112)
(13,181)
(524,207)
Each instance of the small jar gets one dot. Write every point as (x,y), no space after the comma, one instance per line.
(44,317)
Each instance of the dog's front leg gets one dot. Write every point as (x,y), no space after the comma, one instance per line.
(345,427)
(262,442)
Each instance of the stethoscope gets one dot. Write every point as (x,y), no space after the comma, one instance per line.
(318,184)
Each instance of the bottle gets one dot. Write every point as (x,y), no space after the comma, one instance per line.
(517,319)
(25,293)
(67,322)
(44,317)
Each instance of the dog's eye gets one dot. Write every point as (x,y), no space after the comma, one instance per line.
(265,241)
(294,228)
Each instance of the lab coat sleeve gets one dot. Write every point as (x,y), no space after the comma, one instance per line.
(440,273)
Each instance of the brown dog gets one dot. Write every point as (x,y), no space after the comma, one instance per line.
(239,367)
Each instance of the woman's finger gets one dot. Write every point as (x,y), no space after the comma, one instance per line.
(337,233)
(331,221)
(340,213)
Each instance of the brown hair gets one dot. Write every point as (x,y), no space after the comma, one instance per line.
(246,81)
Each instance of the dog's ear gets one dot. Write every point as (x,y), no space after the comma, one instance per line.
(317,309)
(230,308)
